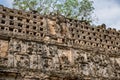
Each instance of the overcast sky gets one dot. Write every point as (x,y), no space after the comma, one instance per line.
(106,11)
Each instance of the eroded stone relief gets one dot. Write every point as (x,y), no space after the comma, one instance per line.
(35,47)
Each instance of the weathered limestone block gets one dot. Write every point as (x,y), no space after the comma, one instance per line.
(85,69)
(31,48)
(40,61)
(14,45)
(11,60)
(103,71)
(92,68)
(118,62)
(52,51)
(3,48)
(22,61)
(110,70)
(23,47)
(45,64)
(39,48)
(45,51)
(33,61)
(64,30)
(3,62)
(52,27)
(58,30)
(56,62)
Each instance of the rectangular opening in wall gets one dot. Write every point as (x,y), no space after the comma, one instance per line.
(11,17)
(41,29)
(19,24)
(34,33)
(41,17)
(11,23)
(41,34)
(3,21)
(11,29)
(27,32)
(19,18)
(34,22)
(34,27)
(83,37)
(27,20)
(34,16)
(19,30)
(27,26)
(3,16)
(41,23)
(4,9)
(2,28)
(11,11)
(73,35)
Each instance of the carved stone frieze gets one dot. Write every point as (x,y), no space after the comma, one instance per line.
(52,47)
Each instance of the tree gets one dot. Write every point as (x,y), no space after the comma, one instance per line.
(75,9)
(86,10)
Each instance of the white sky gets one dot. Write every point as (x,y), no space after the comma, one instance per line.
(107,11)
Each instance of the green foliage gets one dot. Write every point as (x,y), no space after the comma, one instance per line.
(86,9)
(75,9)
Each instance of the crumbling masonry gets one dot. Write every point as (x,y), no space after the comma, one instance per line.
(37,47)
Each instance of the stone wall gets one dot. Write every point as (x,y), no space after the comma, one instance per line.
(52,47)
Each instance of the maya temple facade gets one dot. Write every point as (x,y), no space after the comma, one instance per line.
(51,47)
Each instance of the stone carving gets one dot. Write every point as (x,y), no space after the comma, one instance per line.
(52,47)
(3,48)
(22,61)
(33,61)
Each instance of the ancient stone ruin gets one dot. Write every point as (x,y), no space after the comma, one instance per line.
(52,47)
